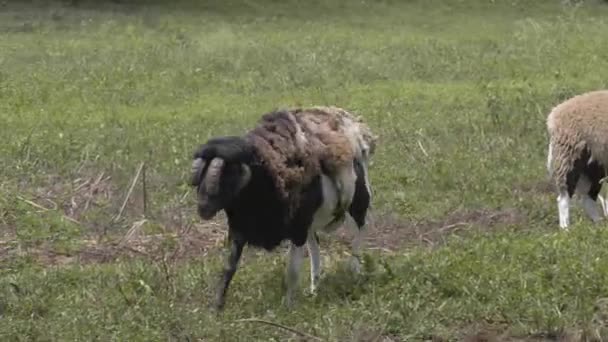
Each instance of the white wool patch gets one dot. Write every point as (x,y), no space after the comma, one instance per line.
(324,216)
(353,132)
(551,126)
(301,139)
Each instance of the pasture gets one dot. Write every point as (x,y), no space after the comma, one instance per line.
(463,241)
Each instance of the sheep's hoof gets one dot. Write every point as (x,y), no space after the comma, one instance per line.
(312,291)
(288,301)
(314,287)
(355,265)
(218,309)
(218,305)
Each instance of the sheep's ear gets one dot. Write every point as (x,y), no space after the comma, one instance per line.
(245,176)
(198,165)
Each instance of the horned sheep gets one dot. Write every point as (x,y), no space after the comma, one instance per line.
(578,152)
(298,172)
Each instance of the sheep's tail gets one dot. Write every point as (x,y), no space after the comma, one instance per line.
(366,149)
(561,160)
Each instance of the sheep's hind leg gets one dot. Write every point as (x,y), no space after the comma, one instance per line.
(358,211)
(567,190)
(563,206)
(603,204)
(591,209)
(584,189)
(344,181)
(315,261)
(593,176)
(236,250)
(295,256)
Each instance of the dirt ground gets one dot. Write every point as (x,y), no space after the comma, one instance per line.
(386,232)
(184,236)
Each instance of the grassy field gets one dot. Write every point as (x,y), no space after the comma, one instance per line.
(464,239)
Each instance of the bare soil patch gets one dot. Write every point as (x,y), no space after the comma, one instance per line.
(198,241)
(386,232)
(93,202)
(389,232)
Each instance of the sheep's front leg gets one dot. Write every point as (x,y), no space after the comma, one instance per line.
(295,256)
(591,209)
(315,261)
(563,207)
(356,249)
(604,204)
(236,250)
(589,190)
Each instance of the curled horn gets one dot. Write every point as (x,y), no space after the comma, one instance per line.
(212,178)
(198,165)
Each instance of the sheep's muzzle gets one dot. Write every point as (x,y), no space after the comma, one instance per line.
(207,211)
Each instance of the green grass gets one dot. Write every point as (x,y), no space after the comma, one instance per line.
(457,92)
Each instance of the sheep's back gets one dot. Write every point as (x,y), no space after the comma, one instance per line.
(582,121)
(296,145)
(347,136)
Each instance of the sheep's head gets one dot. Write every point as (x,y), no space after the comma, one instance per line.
(220,171)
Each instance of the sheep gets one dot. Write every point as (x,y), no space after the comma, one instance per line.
(578,152)
(297,172)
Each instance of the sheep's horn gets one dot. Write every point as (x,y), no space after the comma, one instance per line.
(245,177)
(212,178)
(198,165)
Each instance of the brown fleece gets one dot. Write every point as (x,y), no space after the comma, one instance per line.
(295,145)
(578,123)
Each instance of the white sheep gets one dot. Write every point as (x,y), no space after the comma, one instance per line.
(578,152)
